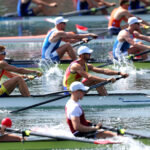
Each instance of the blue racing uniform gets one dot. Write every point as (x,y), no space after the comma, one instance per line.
(49,48)
(23,9)
(135,5)
(82,6)
(121,48)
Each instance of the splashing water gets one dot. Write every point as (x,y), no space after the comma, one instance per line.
(55,130)
(52,77)
(129,143)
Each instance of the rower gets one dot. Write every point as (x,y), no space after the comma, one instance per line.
(136,4)
(125,43)
(88,4)
(51,50)
(16,80)
(118,15)
(78,71)
(7,123)
(24,10)
(79,126)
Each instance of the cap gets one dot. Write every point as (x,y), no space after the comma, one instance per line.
(84,49)
(78,86)
(7,122)
(133,20)
(57,20)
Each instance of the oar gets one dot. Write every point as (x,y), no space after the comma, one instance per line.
(104,65)
(64,96)
(133,11)
(38,104)
(131,57)
(75,13)
(103,83)
(28,133)
(122,131)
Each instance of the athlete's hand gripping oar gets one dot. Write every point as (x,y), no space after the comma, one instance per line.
(48,135)
(121,131)
(104,83)
(131,57)
(85,40)
(60,97)
(32,77)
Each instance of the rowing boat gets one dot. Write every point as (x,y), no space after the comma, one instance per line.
(91,100)
(58,144)
(139,64)
(34,38)
(90,18)
(49,144)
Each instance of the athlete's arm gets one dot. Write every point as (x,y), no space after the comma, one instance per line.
(77,68)
(4,65)
(53,4)
(146,2)
(61,34)
(82,128)
(142,37)
(102,2)
(106,71)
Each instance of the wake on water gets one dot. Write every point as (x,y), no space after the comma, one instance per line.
(127,143)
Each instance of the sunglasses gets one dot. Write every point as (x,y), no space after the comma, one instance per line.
(3,53)
(127,3)
(63,23)
(137,23)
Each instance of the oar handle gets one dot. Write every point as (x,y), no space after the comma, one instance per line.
(125,132)
(81,42)
(26,80)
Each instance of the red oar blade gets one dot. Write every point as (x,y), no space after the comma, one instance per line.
(105,142)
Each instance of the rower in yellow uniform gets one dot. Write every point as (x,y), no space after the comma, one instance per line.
(78,69)
(16,80)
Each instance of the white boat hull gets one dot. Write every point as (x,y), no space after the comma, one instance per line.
(94,100)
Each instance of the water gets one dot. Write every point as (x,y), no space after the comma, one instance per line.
(52,120)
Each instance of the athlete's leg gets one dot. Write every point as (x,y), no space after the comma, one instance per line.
(11,84)
(104,11)
(105,134)
(135,50)
(101,90)
(39,9)
(66,48)
(10,137)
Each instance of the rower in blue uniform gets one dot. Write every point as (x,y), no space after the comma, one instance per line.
(125,43)
(52,51)
(136,4)
(24,10)
(87,4)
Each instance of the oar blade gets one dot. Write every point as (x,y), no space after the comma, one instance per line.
(103,142)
